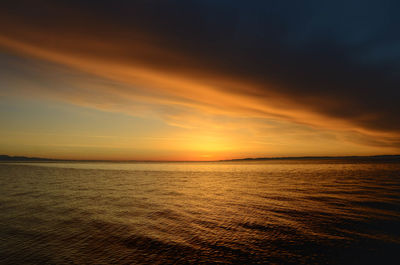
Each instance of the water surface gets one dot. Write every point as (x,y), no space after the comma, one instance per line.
(266,212)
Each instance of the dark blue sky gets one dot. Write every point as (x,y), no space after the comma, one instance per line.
(337,59)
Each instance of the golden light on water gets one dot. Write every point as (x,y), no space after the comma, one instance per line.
(199,132)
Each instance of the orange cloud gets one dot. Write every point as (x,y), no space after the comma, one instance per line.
(141,77)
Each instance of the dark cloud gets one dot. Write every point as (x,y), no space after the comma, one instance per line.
(337,58)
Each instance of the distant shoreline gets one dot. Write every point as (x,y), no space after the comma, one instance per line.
(7,158)
(376,157)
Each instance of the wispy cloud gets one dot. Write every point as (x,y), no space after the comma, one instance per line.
(216,67)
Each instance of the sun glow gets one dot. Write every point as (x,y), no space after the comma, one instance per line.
(149,99)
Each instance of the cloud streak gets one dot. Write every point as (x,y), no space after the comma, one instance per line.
(190,60)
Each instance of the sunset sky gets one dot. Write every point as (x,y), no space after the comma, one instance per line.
(199,80)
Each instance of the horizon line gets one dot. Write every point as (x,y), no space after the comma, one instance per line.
(8,158)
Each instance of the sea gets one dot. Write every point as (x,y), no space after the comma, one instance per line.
(322,211)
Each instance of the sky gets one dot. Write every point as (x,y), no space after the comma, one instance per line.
(199,80)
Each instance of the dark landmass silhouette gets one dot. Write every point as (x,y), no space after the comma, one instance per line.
(24,158)
(7,158)
(376,157)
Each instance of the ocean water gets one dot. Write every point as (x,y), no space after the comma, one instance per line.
(267,212)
